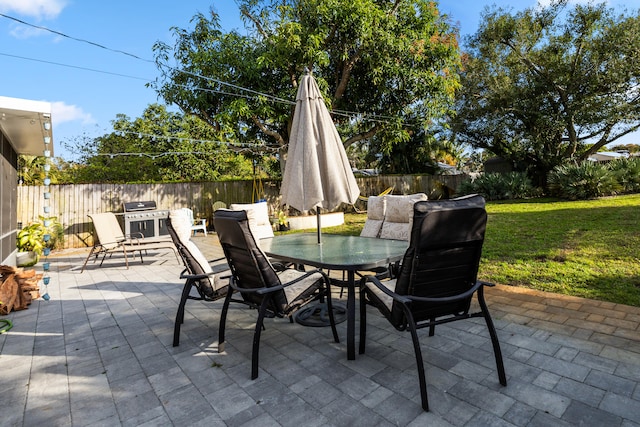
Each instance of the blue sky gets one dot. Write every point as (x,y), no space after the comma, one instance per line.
(85,102)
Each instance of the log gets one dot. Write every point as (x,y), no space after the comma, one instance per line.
(18,287)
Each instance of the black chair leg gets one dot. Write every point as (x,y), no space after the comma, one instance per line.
(186,290)
(223,320)
(332,319)
(255,354)
(363,319)
(419,361)
(494,337)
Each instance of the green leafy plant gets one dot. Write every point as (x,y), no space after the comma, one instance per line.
(627,173)
(586,180)
(282,218)
(31,238)
(499,186)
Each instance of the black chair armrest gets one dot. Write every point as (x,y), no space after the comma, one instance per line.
(266,290)
(304,276)
(185,275)
(451,298)
(373,279)
(491,285)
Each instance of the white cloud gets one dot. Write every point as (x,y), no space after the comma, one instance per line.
(24,32)
(40,9)
(61,113)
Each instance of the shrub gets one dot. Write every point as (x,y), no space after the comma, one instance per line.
(586,180)
(499,186)
(627,174)
(31,237)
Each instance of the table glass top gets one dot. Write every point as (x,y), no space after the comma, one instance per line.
(336,251)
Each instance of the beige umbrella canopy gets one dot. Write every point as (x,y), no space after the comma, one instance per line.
(317,172)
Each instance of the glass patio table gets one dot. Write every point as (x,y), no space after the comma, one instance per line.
(337,252)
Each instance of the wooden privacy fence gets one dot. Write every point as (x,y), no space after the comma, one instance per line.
(71,204)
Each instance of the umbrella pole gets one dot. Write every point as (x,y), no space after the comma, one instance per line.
(319,226)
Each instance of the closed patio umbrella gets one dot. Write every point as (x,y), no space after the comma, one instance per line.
(317,172)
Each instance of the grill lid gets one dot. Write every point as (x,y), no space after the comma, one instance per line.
(139,206)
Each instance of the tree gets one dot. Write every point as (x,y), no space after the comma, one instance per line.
(551,85)
(378,63)
(31,169)
(160,146)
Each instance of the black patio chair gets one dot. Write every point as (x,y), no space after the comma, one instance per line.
(274,293)
(208,281)
(437,277)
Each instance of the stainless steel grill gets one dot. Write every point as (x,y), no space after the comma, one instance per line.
(145,218)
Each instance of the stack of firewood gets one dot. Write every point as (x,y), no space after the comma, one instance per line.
(17,288)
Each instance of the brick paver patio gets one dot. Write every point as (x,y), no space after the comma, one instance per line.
(99,353)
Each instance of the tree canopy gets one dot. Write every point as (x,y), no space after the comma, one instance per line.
(380,64)
(159,146)
(550,85)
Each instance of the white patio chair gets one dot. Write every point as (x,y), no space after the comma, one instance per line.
(199,224)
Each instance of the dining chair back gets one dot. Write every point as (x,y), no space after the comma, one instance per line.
(198,272)
(437,278)
(258,216)
(273,293)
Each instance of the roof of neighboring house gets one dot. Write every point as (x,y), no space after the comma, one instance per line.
(26,124)
(603,156)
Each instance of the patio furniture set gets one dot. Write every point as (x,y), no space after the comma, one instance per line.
(435,281)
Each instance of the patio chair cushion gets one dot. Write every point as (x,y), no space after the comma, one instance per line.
(398,217)
(182,225)
(385,300)
(299,292)
(376,206)
(258,216)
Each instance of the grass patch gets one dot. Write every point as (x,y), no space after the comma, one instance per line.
(583,248)
(587,248)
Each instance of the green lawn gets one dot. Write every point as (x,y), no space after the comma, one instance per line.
(586,248)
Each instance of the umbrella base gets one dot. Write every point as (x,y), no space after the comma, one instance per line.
(317,315)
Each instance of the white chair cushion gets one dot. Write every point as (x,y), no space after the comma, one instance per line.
(376,206)
(258,216)
(386,299)
(182,225)
(299,289)
(399,216)
(371,228)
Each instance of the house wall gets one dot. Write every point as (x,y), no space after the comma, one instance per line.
(8,194)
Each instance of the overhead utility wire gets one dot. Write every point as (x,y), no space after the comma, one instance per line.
(155,137)
(73,38)
(365,116)
(39,27)
(336,112)
(74,66)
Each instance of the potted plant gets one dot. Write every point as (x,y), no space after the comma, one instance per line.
(283,221)
(37,237)
(30,243)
